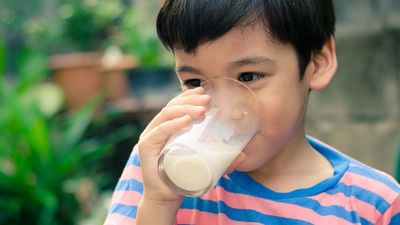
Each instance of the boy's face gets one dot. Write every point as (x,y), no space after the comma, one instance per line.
(270,69)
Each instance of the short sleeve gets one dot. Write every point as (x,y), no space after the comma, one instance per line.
(392,214)
(127,193)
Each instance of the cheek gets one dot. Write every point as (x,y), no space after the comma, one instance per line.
(279,123)
(280,116)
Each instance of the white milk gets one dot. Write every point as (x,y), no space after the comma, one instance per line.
(198,155)
(197,171)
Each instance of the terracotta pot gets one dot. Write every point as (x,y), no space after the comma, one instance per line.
(116,83)
(78,74)
(83,75)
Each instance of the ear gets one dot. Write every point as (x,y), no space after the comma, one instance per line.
(322,66)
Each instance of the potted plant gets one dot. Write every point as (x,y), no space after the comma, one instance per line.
(49,162)
(79,66)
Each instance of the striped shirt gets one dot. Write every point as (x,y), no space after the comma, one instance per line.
(355,194)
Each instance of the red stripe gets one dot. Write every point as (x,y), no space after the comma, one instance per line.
(269,207)
(132,172)
(192,216)
(130,198)
(369,184)
(393,210)
(363,209)
(116,219)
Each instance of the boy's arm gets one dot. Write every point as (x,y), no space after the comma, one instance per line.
(128,206)
(127,194)
(156,213)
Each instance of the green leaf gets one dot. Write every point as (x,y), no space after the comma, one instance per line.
(50,205)
(95,149)
(79,122)
(32,69)
(2,59)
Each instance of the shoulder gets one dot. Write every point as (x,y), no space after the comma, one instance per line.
(356,173)
(362,186)
(383,190)
(374,187)
(376,181)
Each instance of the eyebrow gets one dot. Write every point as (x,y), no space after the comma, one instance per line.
(188,69)
(251,60)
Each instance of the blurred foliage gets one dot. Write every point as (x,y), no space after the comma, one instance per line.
(49,161)
(2,58)
(62,26)
(13,15)
(79,25)
(139,38)
(88,24)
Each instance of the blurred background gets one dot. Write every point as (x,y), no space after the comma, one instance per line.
(79,80)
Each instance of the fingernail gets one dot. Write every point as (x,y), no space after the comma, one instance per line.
(201,108)
(186,117)
(199,89)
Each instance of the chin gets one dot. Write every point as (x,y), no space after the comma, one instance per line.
(249,165)
(255,159)
(244,169)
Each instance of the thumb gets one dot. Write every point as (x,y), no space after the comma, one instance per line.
(152,143)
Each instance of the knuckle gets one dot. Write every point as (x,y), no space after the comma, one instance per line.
(163,128)
(140,147)
(173,101)
(167,111)
(166,128)
(164,110)
(143,134)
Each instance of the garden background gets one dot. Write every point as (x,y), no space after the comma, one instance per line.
(79,80)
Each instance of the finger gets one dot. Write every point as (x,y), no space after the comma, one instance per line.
(172,112)
(197,90)
(152,143)
(239,159)
(193,99)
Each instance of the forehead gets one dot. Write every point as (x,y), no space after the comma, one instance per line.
(240,42)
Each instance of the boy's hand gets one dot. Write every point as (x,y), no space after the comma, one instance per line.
(177,114)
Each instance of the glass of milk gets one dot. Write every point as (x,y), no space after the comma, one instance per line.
(195,158)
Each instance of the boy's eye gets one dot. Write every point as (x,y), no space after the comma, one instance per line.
(249,77)
(193,83)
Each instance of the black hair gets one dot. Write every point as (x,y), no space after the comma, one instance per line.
(305,24)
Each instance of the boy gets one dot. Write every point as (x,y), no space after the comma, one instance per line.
(281,49)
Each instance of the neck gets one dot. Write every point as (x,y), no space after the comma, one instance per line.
(296,166)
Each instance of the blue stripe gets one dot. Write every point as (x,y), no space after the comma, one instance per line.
(395,220)
(240,215)
(125,210)
(361,194)
(312,204)
(370,173)
(134,160)
(365,221)
(130,185)
(333,210)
